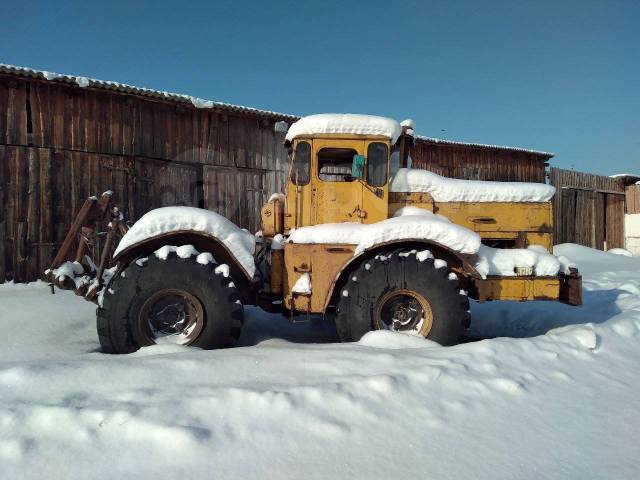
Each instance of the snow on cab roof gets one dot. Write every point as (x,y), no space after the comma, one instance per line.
(348,123)
(86,82)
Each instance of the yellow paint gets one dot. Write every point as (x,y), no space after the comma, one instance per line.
(277,270)
(532,222)
(323,263)
(518,288)
(334,201)
(321,202)
(272,218)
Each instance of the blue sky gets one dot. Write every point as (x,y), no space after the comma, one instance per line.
(561,76)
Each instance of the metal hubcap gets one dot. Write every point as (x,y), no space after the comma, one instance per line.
(403,311)
(172,316)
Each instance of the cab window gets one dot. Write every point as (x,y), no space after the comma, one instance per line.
(377,157)
(301,166)
(334,164)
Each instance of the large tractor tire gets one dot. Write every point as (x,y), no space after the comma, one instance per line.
(170,300)
(408,292)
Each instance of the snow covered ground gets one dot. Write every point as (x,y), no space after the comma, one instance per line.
(561,401)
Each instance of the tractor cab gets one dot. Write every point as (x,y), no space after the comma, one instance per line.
(339,169)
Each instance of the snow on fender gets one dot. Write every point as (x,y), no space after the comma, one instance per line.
(428,227)
(165,220)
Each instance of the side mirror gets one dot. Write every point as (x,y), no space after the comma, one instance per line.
(357,168)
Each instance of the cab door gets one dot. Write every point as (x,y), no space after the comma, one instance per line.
(375,191)
(336,196)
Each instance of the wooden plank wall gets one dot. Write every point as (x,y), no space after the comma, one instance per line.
(588,209)
(461,161)
(632,203)
(60,144)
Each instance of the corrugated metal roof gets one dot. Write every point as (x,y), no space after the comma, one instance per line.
(483,145)
(144,92)
(86,82)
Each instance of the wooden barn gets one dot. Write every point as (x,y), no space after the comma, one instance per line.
(474,161)
(63,138)
(588,209)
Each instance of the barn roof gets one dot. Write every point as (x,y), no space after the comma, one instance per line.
(627,178)
(85,82)
(483,146)
(144,92)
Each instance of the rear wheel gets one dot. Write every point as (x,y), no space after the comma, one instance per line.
(170,301)
(407,292)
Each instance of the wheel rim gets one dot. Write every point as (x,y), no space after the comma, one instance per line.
(403,311)
(172,316)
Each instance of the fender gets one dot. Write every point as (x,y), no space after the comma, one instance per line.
(201,241)
(461,262)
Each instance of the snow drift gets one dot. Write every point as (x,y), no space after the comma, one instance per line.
(632,232)
(444,189)
(562,403)
(504,262)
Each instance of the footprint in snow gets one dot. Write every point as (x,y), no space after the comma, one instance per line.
(506,385)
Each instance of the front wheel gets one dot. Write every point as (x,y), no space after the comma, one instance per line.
(408,292)
(170,300)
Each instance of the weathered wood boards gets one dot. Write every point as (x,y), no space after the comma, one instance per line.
(61,143)
(632,202)
(588,209)
(458,161)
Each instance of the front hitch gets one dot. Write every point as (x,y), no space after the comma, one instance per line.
(82,274)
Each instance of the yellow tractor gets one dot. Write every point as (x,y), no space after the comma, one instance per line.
(358,235)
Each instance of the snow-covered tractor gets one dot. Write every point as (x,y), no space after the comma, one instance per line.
(358,235)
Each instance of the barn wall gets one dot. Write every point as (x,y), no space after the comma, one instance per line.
(588,209)
(60,144)
(633,199)
(460,161)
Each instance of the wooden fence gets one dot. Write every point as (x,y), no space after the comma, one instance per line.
(632,199)
(588,209)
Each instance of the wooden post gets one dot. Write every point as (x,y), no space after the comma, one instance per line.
(45,234)
(73,233)
(33,213)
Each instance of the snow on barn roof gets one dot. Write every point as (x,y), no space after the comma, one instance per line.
(348,123)
(145,92)
(484,146)
(627,178)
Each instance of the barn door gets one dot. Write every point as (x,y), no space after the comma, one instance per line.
(237,194)
(165,184)
(614,205)
(43,192)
